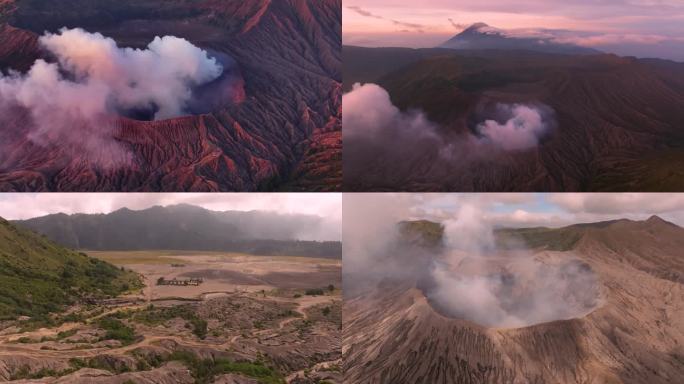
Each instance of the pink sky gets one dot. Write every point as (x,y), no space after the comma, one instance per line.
(428,23)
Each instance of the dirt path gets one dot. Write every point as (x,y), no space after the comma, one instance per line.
(33,350)
(317,367)
(303,304)
(48,332)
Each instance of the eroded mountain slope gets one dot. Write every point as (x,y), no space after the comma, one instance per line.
(282,129)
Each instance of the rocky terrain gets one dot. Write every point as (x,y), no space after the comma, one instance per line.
(167,316)
(132,317)
(393,334)
(235,338)
(281,131)
(617,121)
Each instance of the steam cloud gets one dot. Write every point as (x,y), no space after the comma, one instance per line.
(377,134)
(369,112)
(522,129)
(69,101)
(472,277)
(479,281)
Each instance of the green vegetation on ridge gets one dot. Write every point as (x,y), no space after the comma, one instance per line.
(429,233)
(38,277)
(422,232)
(159,315)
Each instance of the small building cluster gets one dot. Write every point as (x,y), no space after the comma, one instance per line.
(174,281)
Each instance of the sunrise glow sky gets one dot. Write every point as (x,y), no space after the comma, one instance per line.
(644,28)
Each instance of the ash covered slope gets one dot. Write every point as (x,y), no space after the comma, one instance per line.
(187,227)
(38,276)
(618,120)
(283,133)
(394,335)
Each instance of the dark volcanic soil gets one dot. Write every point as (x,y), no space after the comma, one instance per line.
(618,121)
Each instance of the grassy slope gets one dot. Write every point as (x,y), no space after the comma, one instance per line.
(422,232)
(38,276)
(429,233)
(554,239)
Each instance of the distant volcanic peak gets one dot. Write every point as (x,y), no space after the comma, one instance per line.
(483,36)
(483,28)
(655,219)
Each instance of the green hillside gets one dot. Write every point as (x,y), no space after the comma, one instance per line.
(422,232)
(553,239)
(38,276)
(429,233)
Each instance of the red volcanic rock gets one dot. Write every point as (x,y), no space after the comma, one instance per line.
(282,131)
(18,48)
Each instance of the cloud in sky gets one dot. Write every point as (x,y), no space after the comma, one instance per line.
(552,209)
(646,28)
(456,25)
(408,27)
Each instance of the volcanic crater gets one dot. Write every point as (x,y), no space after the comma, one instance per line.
(272,120)
(512,291)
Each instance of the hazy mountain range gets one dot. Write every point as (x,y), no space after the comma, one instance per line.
(187,227)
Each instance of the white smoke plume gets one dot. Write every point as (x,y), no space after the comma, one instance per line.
(369,113)
(472,276)
(523,128)
(70,100)
(385,147)
(478,280)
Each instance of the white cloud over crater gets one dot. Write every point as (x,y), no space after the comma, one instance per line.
(69,100)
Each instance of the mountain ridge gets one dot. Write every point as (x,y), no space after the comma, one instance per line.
(188,227)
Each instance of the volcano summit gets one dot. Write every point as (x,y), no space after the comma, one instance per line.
(463,302)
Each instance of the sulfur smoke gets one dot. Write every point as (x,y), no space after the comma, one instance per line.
(69,100)
(521,128)
(505,286)
(400,147)
(472,276)
(369,113)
